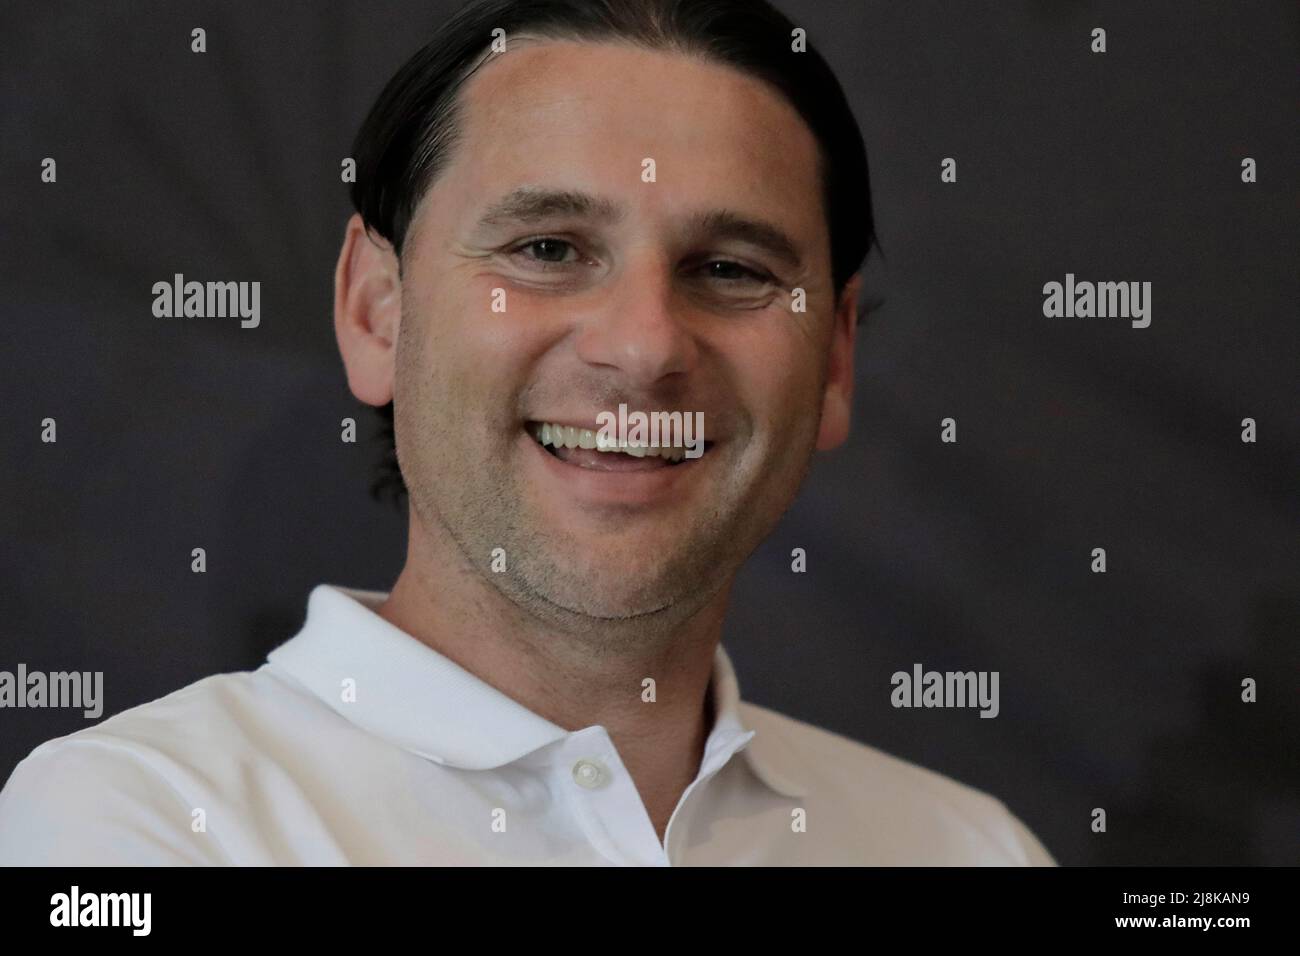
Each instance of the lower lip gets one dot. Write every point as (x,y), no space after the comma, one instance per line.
(614,487)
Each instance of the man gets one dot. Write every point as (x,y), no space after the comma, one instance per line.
(568,210)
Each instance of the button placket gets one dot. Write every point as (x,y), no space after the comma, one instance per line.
(716,758)
(606,800)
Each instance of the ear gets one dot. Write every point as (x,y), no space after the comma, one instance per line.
(837,399)
(367,312)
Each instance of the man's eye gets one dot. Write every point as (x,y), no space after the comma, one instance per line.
(549,251)
(732,272)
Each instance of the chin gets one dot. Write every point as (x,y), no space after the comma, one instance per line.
(620,599)
(611,592)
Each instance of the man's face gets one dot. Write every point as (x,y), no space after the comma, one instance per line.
(640,299)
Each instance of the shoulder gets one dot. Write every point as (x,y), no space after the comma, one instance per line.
(133,788)
(946,820)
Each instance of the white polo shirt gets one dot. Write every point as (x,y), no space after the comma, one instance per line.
(355,743)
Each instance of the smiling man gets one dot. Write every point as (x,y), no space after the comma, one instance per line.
(564,207)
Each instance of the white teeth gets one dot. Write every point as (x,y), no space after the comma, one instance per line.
(567,436)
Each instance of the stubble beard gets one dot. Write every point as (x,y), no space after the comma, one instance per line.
(550,575)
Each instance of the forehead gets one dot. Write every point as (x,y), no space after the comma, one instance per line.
(586,115)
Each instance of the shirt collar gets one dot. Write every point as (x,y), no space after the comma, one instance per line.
(405,692)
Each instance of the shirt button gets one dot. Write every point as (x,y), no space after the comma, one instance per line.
(589,774)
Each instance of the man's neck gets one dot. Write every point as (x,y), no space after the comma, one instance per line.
(560,676)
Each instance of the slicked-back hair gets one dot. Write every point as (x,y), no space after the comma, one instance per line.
(412,129)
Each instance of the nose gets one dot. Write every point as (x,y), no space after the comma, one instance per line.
(642,329)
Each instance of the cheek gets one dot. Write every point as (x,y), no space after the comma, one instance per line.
(781,384)
(477,348)
(493,316)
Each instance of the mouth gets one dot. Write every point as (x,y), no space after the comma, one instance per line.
(588,449)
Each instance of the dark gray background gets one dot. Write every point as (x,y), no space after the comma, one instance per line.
(1118,691)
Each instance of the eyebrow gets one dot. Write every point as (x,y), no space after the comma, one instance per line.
(726,224)
(530,204)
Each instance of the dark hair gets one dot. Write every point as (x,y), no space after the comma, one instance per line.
(411,130)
